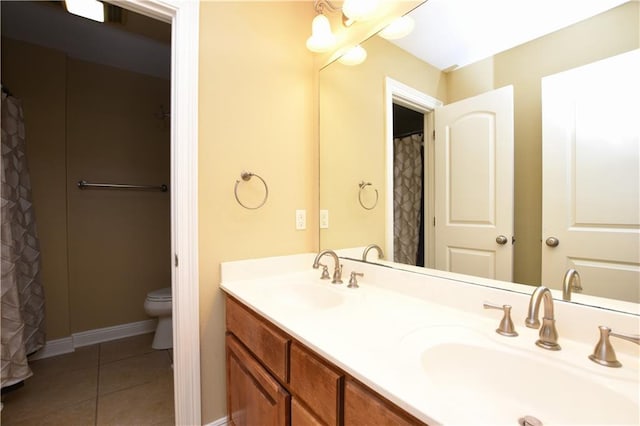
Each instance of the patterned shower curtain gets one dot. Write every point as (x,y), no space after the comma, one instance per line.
(407,197)
(22,295)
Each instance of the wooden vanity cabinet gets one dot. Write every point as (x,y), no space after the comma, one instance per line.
(266,342)
(365,407)
(254,397)
(316,383)
(274,380)
(301,416)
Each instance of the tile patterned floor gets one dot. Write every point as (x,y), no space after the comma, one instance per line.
(123,382)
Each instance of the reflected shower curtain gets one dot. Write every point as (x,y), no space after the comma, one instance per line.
(407,197)
(22,295)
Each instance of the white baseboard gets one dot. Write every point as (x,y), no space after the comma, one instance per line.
(99,335)
(220,422)
(53,348)
(92,337)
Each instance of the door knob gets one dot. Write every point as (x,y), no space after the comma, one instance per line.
(501,239)
(552,242)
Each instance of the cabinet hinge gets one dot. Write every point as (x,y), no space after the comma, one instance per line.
(175,256)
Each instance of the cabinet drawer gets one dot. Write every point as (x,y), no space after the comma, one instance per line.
(300,416)
(317,384)
(254,397)
(267,343)
(363,406)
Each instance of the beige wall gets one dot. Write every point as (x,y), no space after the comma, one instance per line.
(119,241)
(524,67)
(102,251)
(257,101)
(352,135)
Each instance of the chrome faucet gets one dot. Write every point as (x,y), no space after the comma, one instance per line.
(337,271)
(548,333)
(368,248)
(603,353)
(570,282)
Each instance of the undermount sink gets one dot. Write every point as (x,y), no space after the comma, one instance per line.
(507,384)
(308,296)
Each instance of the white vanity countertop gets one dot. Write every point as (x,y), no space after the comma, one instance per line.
(378,332)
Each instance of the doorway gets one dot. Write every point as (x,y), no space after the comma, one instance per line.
(184,19)
(402,100)
(409,179)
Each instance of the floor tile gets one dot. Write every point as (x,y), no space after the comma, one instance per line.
(132,386)
(81,358)
(125,348)
(147,404)
(46,393)
(81,413)
(134,371)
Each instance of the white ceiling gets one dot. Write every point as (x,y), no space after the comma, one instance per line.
(455,33)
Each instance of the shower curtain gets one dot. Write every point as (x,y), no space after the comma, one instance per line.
(407,197)
(22,306)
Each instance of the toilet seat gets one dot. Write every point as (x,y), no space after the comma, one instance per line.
(161,295)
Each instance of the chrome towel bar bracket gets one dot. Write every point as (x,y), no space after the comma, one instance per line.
(362,186)
(246,176)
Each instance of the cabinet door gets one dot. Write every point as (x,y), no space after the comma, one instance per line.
(254,397)
(265,341)
(316,383)
(364,407)
(300,416)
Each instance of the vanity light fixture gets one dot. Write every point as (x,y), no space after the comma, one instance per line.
(399,28)
(322,39)
(354,56)
(90,9)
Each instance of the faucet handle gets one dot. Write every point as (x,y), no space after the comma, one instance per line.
(506,327)
(353,281)
(325,272)
(603,353)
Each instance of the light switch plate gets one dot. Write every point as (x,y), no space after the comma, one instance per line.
(301,219)
(324,219)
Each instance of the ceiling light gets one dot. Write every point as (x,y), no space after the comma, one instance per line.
(354,56)
(91,9)
(322,39)
(360,10)
(399,28)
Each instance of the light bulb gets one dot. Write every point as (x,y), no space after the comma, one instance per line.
(359,10)
(399,28)
(322,39)
(90,9)
(354,56)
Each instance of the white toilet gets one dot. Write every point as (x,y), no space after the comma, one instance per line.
(159,304)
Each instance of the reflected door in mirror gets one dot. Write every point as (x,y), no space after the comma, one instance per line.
(591,177)
(474,185)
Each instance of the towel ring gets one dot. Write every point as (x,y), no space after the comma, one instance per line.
(362,185)
(246,176)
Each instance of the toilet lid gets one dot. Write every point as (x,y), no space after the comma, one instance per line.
(162,295)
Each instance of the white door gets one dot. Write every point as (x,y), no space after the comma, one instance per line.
(474,185)
(591,179)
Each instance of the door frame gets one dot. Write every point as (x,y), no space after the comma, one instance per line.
(407,96)
(184,19)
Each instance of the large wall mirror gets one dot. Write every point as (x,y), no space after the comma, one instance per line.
(506,146)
